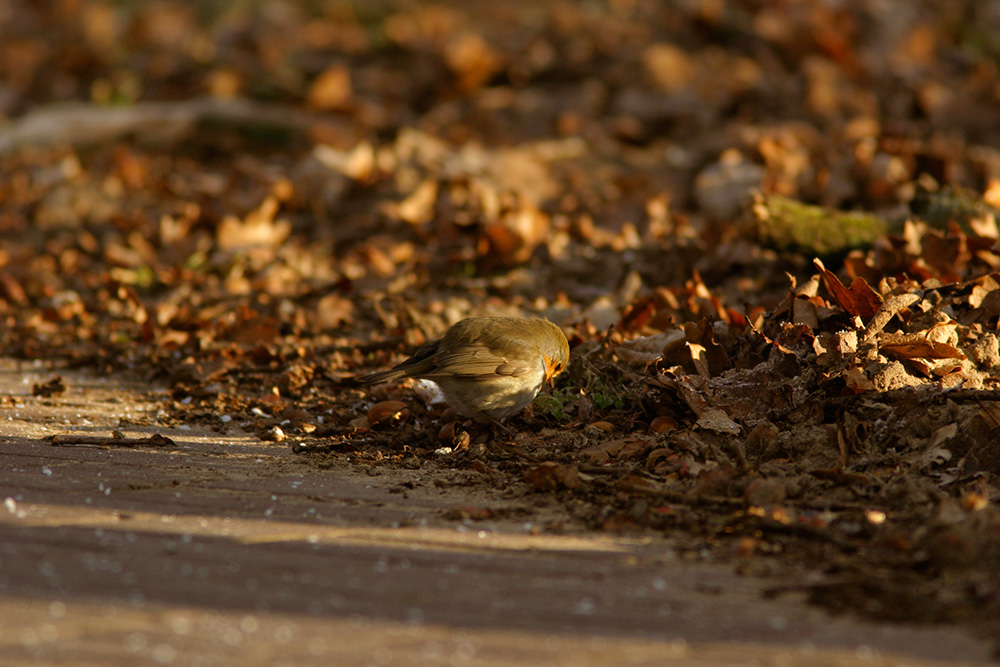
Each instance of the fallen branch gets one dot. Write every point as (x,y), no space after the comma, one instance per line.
(116,440)
(81,125)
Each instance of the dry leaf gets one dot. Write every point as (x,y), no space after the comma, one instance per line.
(551,476)
(663,423)
(910,346)
(616,449)
(386,412)
(259,229)
(331,91)
(860,300)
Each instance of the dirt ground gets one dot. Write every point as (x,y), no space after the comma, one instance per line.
(222,547)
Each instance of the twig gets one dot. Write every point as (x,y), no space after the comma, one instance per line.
(116,440)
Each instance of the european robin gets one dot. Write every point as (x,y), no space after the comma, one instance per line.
(488,368)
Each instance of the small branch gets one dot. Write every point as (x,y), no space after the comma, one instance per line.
(163,122)
(116,440)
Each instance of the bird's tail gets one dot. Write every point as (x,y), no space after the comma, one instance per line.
(382,376)
(421,362)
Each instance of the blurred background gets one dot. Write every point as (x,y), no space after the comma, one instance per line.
(342,164)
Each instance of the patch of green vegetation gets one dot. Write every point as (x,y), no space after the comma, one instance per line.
(606,396)
(555,403)
(606,393)
(606,400)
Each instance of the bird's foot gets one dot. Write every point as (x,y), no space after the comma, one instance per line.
(497,424)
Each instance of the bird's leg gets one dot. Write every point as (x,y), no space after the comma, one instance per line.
(496,423)
(510,447)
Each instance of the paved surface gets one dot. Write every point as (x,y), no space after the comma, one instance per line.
(228,550)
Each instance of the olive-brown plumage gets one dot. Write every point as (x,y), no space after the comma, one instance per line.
(488,368)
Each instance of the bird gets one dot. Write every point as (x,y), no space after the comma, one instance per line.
(488,368)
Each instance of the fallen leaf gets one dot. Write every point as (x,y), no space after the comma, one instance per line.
(607,427)
(860,300)
(715,419)
(332,89)
(53,387)
(258,229)
(658,459)
(333,311)
(709,417)
(472,60)
(550,476)
(386,411)
(856,380)
(670,67)
(663,423)
(616,449)
(916,346)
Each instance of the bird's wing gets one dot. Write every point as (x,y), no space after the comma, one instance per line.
(478,360)
(416,366)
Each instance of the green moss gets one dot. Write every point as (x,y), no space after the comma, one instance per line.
(789,224)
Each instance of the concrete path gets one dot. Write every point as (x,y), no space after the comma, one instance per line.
(228,550)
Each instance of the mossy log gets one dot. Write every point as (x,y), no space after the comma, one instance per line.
(788,224)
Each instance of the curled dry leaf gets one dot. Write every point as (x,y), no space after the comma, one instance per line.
(332,89)
(616,449)
(462,441)
(472,60)
(886,312)
(856,381)
(12,290)
(917,346)
(648,349)
(859,300)
(334,310)
(658,459)
(418,207)
(295,378)
(274,434)
(709,417)
(452,436)
(670,67)
(446,436)
(550,476)
(387,412)
(512,239)
(357,163)
(663,423)
(708,356)
(258,229)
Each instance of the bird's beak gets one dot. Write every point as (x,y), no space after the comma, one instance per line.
(552,369)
